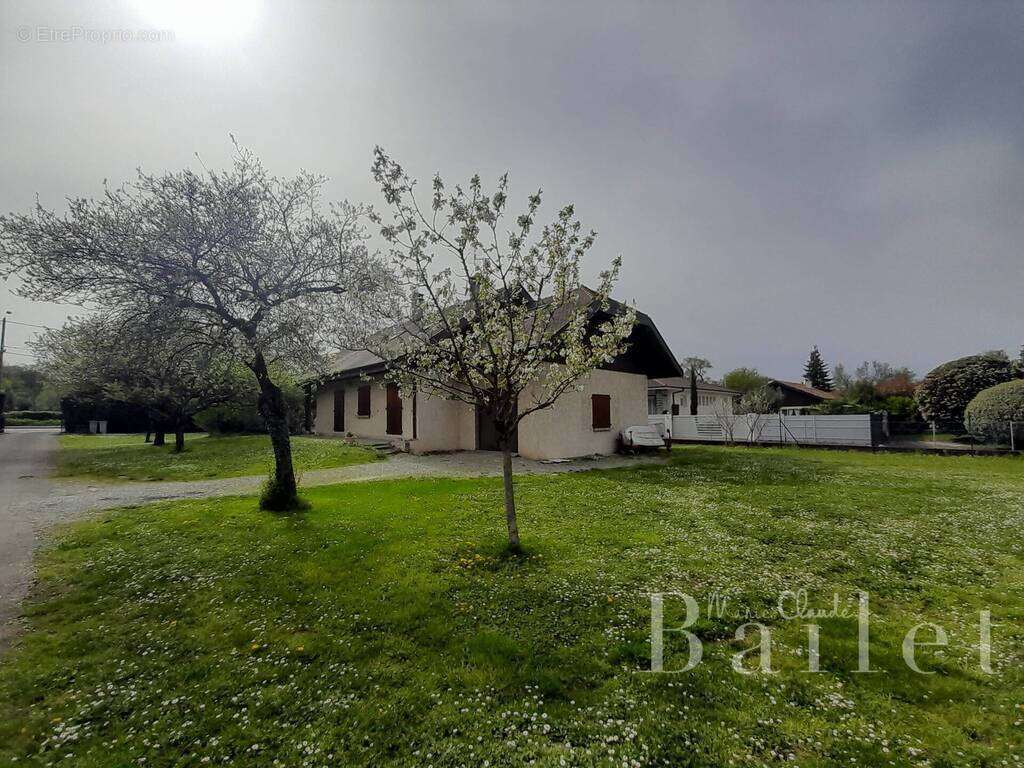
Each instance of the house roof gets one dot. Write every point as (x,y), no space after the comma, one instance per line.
(683,382)
(806,389)
(645,341)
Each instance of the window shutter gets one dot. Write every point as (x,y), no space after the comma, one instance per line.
(601,410)
(364,400)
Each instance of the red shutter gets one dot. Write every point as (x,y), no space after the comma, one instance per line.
(364,400)
(601,410)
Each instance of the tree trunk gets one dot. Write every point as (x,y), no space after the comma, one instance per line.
(179,439)
(510,499)
(158,437)
(275,414)
(149,435)
(693,391)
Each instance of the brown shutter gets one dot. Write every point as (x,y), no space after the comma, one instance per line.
(364,400)
(601,410)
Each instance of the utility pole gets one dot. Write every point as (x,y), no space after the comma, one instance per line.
(3,335)
(3,396)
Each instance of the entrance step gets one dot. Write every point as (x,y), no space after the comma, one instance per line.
(381,446)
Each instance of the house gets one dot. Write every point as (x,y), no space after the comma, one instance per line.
(672,396)
(797,395)
(355,399)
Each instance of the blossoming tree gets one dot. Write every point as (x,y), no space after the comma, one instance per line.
(495,317)
(153,360)
(255,260)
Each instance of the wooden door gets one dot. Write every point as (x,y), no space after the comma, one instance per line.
(339,410)
(487,435)
(394,410)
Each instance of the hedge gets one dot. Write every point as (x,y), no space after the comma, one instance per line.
(992,409)
(120,417)
(33,415)
(945,392)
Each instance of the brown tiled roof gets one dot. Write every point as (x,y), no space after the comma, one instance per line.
(807,389)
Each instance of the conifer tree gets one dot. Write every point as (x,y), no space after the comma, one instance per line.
(816,372)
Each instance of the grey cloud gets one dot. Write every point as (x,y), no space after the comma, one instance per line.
(776,175)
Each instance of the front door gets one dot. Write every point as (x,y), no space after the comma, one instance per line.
(339,410)
(487,435)
(394,409)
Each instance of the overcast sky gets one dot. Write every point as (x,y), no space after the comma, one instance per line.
(775,174)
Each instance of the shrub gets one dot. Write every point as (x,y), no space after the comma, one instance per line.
(16,422)
(276,498)
(230,419)
(842,407)
(992,409)
(245,417)
(945,392)
(34,415)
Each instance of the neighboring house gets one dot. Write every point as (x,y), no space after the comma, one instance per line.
(797,395)
(672,396)
(355,399)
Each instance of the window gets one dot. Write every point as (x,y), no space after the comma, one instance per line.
(364,401)
(601,410)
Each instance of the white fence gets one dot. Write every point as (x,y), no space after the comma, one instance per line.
(855,430)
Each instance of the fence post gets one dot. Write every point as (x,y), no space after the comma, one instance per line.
(934,437)
(971,433)
(782,437)
(1013,445)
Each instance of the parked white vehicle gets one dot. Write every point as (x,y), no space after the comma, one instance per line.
(643,436)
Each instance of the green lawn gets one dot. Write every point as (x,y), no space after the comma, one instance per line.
(387,627)
(128,457)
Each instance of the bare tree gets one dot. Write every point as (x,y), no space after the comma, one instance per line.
(754,406)
(697,366)
(494,318)
(152,361)
(255,260)
(726,418)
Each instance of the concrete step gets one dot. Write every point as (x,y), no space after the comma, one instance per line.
(382,446)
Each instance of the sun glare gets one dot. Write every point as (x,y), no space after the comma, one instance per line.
(211,21)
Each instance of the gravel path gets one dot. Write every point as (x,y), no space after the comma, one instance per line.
(26,509)
(31,501)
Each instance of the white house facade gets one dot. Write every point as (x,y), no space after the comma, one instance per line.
(672,396)
(356,400)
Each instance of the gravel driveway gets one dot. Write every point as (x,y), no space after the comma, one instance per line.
(26,508)
(31,501)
